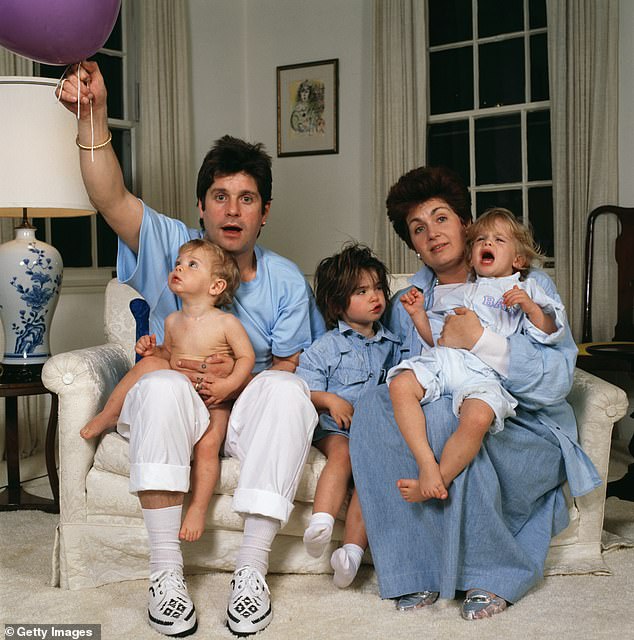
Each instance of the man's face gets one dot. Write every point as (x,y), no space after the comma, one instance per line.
(232,215)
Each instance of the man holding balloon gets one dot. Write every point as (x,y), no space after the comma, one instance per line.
(272,420)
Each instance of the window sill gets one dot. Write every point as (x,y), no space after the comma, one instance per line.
(86,280)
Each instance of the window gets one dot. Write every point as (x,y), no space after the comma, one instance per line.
(489,109)
(88,242)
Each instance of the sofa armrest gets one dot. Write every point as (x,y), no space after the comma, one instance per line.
(597,405)
(82,380)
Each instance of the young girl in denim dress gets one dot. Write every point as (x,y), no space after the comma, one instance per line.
(351,290)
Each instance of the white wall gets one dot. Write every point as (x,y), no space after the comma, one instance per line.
(217,36)
(318,201)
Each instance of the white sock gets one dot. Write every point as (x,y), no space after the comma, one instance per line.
(346,562)
(318,533)
(259,533)
(162,527)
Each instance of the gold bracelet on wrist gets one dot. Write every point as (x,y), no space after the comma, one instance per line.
(97,146)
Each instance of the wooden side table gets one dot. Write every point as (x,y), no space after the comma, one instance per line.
(14,497)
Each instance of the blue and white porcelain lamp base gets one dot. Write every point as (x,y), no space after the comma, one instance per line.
(30,282)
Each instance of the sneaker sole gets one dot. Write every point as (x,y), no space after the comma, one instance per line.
(163,627)
(245,628)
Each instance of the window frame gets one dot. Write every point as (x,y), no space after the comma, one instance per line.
(94,278)
(471,115)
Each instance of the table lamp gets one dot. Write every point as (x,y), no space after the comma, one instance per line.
(39,177)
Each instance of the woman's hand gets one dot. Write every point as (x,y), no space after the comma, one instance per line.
(462,330)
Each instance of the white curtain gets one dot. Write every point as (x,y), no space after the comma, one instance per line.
(164,143)
(584,66)
(400,113)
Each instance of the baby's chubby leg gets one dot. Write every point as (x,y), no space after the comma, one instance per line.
(205,473)
(406,394)
(109,415)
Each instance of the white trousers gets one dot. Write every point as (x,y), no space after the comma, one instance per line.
(462,375)
(270,432)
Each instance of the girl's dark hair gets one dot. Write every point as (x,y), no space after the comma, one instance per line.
(422,184)
(337,277)
(231,155)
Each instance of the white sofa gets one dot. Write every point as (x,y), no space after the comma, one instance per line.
(101,538)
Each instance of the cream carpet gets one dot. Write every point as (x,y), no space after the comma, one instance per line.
(562,607)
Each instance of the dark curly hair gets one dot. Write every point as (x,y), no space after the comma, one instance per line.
(337,277)
(231,155)
(419,185)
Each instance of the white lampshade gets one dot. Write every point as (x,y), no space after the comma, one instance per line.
(39,177)
(39,162)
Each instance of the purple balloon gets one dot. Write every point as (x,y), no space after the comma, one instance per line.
(56,31)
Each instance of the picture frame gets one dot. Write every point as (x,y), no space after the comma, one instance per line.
(308,108)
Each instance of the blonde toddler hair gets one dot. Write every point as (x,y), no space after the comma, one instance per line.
(223,266)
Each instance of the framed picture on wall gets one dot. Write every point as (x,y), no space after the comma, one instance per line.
(308,108)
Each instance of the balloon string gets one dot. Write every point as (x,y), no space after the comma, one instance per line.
(78,107)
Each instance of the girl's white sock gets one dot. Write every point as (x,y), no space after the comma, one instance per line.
(346,562)
(318,533)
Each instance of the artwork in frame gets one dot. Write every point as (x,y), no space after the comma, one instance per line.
(308,108)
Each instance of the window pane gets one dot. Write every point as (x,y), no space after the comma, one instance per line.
(112,70)
(451,80)
(50,71)
(498,150)
(449,21)
(114,40)
(495,17)
(537,14)
(122,145)
(511,200)
(540,214)
(448,146)
(71,237)
(538,141)
(539,67)
(106,244)
(502,73)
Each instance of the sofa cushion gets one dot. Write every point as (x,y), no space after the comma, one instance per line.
(112,456)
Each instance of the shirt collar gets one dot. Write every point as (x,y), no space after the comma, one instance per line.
(382,333)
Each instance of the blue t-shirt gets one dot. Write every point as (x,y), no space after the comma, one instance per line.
(276,308)
(346,363)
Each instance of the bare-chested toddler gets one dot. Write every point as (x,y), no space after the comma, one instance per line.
(204,278)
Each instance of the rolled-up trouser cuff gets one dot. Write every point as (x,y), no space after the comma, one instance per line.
(262,503)
(148,476)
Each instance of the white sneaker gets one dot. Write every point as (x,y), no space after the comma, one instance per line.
(170,609)
(249,609)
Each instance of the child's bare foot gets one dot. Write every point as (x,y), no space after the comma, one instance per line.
(193,524)
(411,491)
(100,423)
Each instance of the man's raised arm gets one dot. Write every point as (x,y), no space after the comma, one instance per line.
(100,169)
